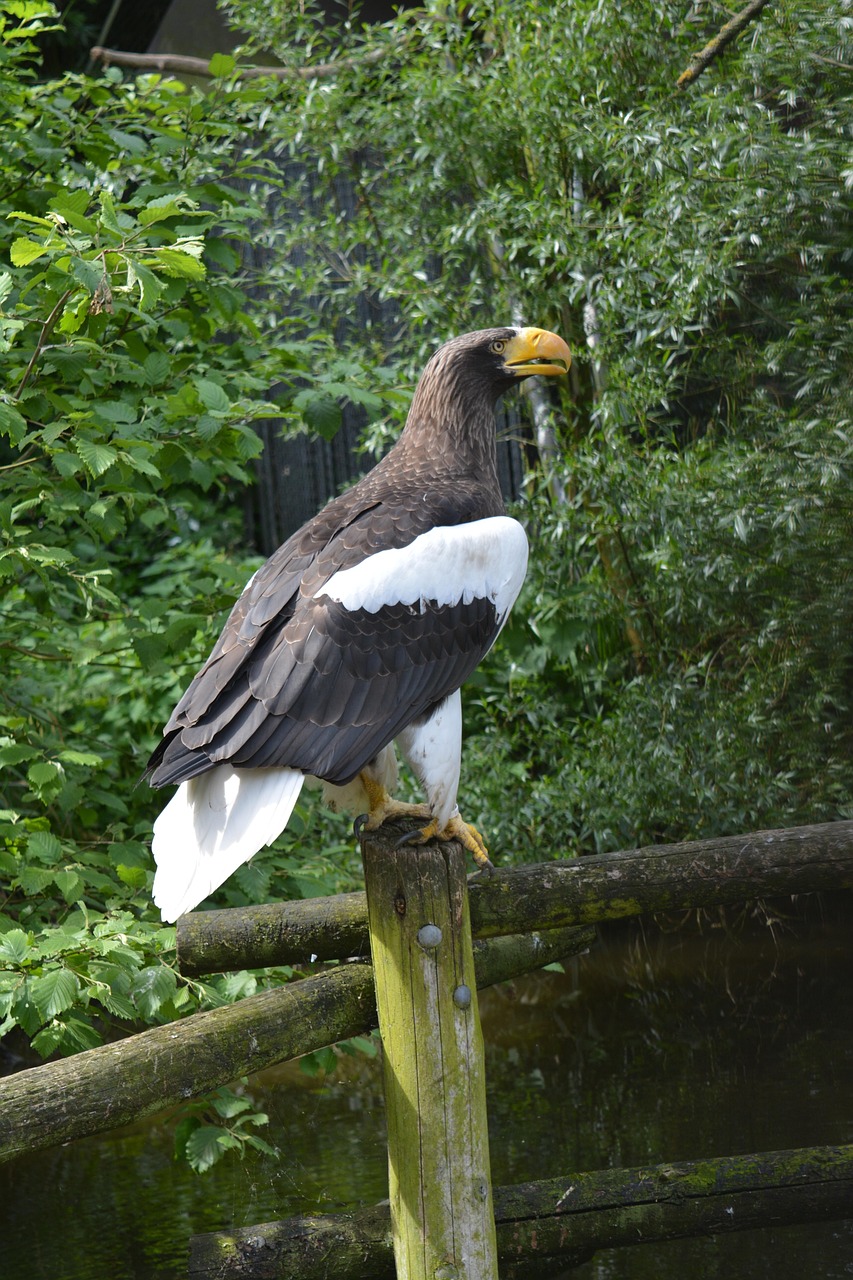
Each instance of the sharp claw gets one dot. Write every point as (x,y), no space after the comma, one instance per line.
(409,838)
(359,824)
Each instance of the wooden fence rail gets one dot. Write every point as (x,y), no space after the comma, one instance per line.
(521,920)
(116,1084)
(610,886)
(543,1228)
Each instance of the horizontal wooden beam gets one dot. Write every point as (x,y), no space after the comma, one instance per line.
(545,1227)
(153,1070)
(104,1088)
(677,877)
(608,886)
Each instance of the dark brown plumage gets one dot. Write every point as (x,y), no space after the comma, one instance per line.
(327,657)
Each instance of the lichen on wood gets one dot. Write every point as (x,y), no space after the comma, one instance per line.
(433,1061)
(543,1228)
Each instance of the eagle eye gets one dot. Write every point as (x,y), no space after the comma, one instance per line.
(498,346)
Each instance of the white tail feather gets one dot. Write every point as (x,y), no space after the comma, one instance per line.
(212,825)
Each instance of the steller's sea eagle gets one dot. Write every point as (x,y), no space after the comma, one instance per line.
(356,634)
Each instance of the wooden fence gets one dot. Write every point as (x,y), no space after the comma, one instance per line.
(435,938)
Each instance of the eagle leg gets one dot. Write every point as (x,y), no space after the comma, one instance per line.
(455,829)
(382,806)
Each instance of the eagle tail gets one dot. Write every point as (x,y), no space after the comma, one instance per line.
(212,825)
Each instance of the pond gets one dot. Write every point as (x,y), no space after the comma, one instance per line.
(672,1040)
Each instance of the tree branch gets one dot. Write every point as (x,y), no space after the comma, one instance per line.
(183,64)
(715,47)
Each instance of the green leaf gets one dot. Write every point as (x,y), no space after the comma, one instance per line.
(228,1104)
(134,877)
(49,1039)
(45,555)
(212,395)
(186,1126)
(152,987)
(70,884)
(115,411)
(180,265)
(15,753)
(86,758)
(34,880)
(97,458)
(25,1012)
(15,945)
(156,367)
(150,288)
(73,210)
(44,847)
(204,1147)
(115,1004)
(24,251)
(236,986)
(221,65)
(130,853)
(321,412)
(365,1044)
(47,778)
(319,1060)
(109,218)
(150,648)
(54,992)
(30,217)
(12,424)
(164,207)
(79,1034)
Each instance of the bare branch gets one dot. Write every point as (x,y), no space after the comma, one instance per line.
(716,46)
(183,64)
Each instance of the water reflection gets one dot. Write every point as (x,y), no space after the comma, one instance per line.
(700,1037)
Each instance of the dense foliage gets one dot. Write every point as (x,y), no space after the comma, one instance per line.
(136,349)
(174,265)
(680,663)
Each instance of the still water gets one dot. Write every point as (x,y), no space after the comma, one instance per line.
(695,1037)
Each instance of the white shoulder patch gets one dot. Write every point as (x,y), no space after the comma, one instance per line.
(484,560)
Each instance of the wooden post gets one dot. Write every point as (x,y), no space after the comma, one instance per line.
(435,1090)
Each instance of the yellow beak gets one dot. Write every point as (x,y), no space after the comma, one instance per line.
(530,351)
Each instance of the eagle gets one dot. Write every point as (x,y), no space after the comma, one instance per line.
(355,635)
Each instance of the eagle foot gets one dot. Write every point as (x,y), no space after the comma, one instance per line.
(383,807)
(456,829)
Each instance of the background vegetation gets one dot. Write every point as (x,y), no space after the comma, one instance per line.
(681,660)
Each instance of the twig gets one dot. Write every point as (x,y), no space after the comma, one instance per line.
(723,37)
(46,330)
(201,66)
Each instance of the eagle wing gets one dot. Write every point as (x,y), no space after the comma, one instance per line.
(355,628)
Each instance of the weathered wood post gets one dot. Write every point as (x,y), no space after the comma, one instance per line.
(435,1089)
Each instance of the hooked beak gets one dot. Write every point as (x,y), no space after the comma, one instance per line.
(531,350)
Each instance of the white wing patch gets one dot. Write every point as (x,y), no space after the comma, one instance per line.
(484,560)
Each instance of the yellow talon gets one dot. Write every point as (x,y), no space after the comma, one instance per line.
(469,837)
(456,829)
(382,806)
